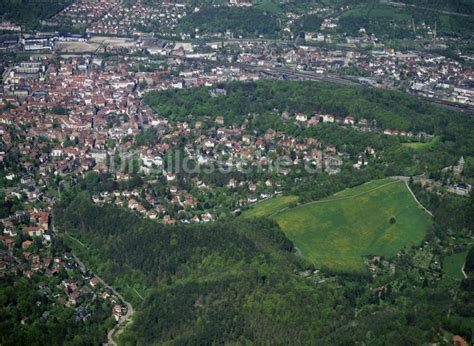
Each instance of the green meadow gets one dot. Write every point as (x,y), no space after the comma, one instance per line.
(336,233)
(452,275)
(422,145)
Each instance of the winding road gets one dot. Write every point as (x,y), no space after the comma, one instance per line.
(117,330)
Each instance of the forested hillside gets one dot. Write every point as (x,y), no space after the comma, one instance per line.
(239,281)
(31,12)
(460,6)
(397,22)
(229,281)
(239,21)
(390,109)
(266,100)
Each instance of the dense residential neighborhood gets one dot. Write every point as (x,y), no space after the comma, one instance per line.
(425,74)
(31,252)
(80,114)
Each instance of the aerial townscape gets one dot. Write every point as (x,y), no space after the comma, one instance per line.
(236,172)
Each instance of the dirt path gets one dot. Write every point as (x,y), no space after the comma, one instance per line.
(336,198)
(136,292)
(463,272)
(450,13)
(396,180)
(417,201)
(78,241)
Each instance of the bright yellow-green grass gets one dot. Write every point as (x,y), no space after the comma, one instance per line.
(338,232)
(422,145)
(452,275)
(270,206)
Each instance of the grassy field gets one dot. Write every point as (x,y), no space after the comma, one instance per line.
(270,206)
(274,205)
(337,232)
(422,145)
(452,265)
(270,6)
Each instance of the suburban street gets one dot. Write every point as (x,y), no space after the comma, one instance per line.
(117,329)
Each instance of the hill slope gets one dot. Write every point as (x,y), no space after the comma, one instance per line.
(29,12)
(237,281)
(337,232)
(233,281)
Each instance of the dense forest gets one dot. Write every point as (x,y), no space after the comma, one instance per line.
(461,6)
(229,281)
(390,109)
(239,21)
(397,22)
(31,12)
(309,22)
(168,248)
